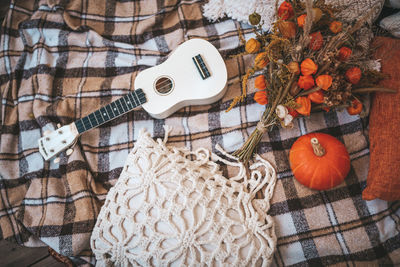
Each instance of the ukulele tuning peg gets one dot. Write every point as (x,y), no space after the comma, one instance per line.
(47,132)
(69,151)
(56,160)
(58,125)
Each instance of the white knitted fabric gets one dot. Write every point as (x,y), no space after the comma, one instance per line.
(173,207)
(240,10)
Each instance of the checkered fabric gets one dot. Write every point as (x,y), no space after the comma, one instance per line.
(61,60)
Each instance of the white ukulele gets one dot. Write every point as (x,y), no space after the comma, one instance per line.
(194,74)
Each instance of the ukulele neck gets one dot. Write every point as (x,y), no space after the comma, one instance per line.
(111,111)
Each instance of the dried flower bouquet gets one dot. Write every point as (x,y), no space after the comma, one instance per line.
(310,61)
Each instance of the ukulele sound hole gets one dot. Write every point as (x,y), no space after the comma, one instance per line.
(164,85)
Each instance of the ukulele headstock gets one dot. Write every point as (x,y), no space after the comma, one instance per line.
(57,141)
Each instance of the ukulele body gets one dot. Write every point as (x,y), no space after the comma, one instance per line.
(177,82)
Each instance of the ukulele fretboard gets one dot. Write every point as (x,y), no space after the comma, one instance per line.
(201,66)
(111,111)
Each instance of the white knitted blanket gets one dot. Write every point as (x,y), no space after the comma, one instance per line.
(173,207)
(240,10)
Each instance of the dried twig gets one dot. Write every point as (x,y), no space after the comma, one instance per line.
(305,38)
(373,89)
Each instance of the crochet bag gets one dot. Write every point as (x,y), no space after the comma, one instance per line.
(174,207)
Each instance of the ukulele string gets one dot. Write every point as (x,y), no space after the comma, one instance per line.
(88,124)
(164,84)
(167,85)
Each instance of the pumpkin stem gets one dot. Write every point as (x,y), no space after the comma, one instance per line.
(318,149)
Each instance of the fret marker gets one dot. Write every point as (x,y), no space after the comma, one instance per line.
(115,109)
(104,114)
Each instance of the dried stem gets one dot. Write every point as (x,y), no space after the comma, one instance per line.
(305,38)
(246,151)
(267,120)
(280,96)
(287,88)
(323,68)
(361,22)
(309,18)
(248,148)
(373,89)
(319,150)
(321,107)
(307,92)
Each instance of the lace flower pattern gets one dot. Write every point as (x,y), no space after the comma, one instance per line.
(172,207)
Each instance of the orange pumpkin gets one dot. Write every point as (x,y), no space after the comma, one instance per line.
(355,108)
(317,97)
(319,161)
(308,67)
(294,67)
(316,41)
(287,29)
(304,105)
(335,26)
(344,53)
(252,46)
(324,81)
(285,11)
(261,60)
(261,97)
(353,75)
(259,82)
(306,82)
(301,20)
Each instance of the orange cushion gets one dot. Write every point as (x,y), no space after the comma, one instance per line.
(383,180)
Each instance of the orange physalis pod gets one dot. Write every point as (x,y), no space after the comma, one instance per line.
(335,26)
(261,60)
(324,81)
(355,108)
(344,53)
(308,67)
(254,18)
(306,82)
(261,97)
(301,20)
(285,11)
(316,41)
(317,97)
(294,67)
(252,46)
(317,14)
(353,75)
(305,105)
(287,29)
(260,83)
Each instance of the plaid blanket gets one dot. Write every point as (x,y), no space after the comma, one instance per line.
(61,60)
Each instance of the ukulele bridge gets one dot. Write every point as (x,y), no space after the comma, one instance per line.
(201,66)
